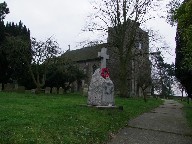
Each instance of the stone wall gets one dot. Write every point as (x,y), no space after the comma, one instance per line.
(140,53)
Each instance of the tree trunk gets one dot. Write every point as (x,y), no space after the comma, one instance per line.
(145,98)
(144,95)
(123,87)
(38,89)
(123,80)
(37,79)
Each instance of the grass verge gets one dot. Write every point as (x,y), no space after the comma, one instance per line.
(188,112)
(27,118)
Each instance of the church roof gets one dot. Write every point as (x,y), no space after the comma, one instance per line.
(84,54)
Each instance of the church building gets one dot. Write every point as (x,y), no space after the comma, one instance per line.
(87,60)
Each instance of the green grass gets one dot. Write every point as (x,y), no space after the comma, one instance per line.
(27,118)
(188,112)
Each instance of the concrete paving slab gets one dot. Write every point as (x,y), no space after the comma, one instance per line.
(163,125)
(142,136)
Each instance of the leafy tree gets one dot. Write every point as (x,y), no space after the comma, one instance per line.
(42,55)
(183,61)
(62,73)
(172,6)
(18,50)
(182,89)
(184,31)
(3,60)
(163,75)
(124,16)
(11,64)
(143,73)
(3,10)
(35,57)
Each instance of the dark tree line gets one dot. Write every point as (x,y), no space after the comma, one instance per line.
(183,61)
(3,61)
(12,67)
(14,29)
(29,62)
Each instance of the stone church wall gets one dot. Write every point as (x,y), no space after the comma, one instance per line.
(140,52)
(88,67)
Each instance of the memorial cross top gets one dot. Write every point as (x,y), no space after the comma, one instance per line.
(104,57)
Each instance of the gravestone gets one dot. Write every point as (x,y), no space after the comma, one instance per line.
(9,87)
(85,90)
(21,89)
(16,86)
(1,87)
(61,90)
(101,89)
(26,91)
(47,90)
(54,90)
(33,91)
(74,87)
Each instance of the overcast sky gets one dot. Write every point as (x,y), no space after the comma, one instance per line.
(64,20)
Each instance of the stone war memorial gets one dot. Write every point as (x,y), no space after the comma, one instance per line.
(101,88)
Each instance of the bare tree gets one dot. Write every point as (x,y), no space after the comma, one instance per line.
(164,75)
(171,8)
(143,73)
(37,55)
(124,16)
(42,54)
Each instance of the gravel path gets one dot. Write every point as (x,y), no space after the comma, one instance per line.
(163,125)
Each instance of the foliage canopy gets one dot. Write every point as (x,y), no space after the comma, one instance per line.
(183,61)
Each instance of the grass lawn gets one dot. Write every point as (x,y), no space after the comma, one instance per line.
(28,118)
(188,112)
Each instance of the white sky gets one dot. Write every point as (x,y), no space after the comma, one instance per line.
(64,20)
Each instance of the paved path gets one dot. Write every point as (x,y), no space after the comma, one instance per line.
(163,125)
